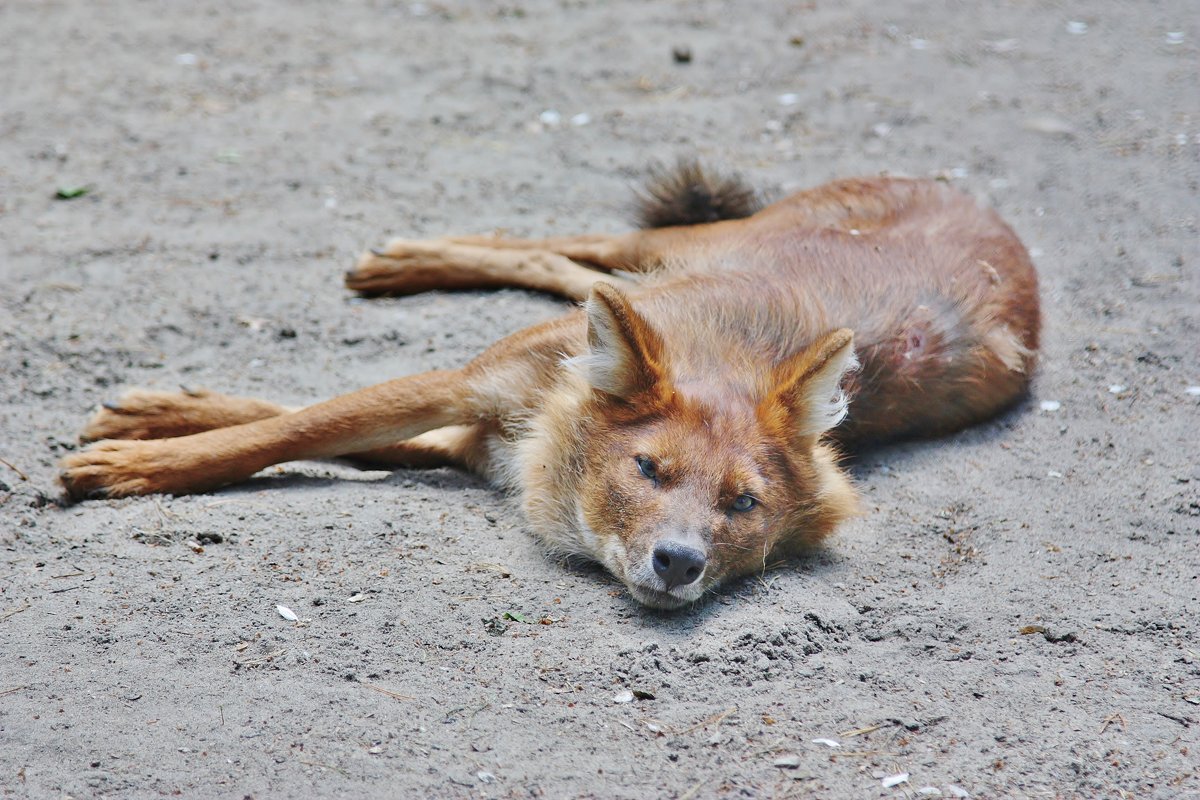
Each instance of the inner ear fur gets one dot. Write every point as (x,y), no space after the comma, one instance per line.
(625,357)
(808,385)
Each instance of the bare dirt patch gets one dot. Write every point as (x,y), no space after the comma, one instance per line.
(180,190)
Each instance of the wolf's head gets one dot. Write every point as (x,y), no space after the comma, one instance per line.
(686,484)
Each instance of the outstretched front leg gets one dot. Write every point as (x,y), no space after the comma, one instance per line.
(366,420)
(433,418)
(149,414)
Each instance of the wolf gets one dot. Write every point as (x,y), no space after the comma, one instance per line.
(684,424)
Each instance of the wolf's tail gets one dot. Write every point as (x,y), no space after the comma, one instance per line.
(689,194)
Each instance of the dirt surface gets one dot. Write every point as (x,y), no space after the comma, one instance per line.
(1014,616)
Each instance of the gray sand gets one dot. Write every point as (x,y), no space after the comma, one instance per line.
(240,157)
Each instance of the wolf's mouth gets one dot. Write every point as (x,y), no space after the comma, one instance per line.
(656,598)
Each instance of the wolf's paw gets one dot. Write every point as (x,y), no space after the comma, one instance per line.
(145,414)
(120,468)
(403,266)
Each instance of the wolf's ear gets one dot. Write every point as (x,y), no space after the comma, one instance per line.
(624,353)
(808,385)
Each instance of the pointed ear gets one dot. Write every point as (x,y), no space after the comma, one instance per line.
(808,385)
(625,353)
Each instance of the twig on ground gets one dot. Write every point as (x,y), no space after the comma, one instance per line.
(260,660)
(14,611)
(861,731)
(10,465)
(1184,721)
(715,719)
(389,692)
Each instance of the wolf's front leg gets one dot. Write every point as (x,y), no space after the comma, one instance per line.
(149,414)
(370,418)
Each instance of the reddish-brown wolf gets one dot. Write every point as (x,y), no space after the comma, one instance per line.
(682,427)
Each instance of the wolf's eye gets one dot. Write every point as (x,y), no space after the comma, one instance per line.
(744,502)
(647,467)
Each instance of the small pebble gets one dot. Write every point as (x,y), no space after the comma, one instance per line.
(625,696)
(682,54)
(1077,28)
(1050,405)
(788,761)
(788,99)
(581,119)
(550,117)
(1116,388)
(1194,391)
(1174,37)
(894,780)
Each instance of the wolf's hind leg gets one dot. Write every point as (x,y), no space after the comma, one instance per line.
(600,251)
(408,266)
(461,446)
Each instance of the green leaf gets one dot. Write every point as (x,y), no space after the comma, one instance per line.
(515,617)
(71,192)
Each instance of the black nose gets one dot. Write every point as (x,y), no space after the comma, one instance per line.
(677,564)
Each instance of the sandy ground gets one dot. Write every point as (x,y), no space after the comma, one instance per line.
(238,156)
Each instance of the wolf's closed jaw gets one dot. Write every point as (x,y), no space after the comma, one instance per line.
(667,601)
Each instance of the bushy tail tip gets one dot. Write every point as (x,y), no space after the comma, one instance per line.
(689,194)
